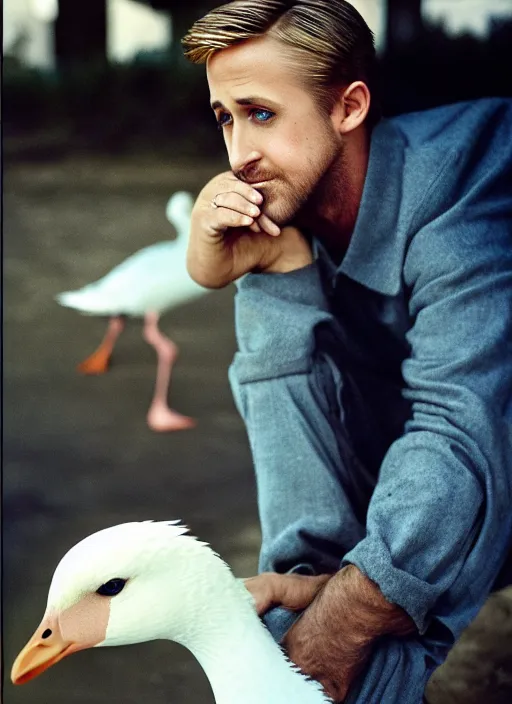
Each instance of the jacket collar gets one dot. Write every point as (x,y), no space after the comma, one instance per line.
(374,257)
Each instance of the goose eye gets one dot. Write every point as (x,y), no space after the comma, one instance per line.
(112,587)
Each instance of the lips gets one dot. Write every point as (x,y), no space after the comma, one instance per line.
(252,177)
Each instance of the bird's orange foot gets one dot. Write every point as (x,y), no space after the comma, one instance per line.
(164,420)
(95,364)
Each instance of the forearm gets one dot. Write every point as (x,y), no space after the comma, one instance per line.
(356,603)
(336,635)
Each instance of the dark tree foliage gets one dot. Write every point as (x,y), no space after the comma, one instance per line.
(404,23)
(80,32)
(183,13)
(439,68)
(81,27)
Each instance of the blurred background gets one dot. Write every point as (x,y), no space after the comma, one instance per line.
(103,120)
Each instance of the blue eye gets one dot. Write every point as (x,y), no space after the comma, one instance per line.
(112,587)
(261,115)
(222,120)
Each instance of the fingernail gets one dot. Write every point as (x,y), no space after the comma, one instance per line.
(256,197)
(254,211)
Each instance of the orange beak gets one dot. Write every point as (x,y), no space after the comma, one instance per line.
(46,647)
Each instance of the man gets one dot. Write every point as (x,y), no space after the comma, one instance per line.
(373,261)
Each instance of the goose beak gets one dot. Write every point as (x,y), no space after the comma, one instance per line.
(46,647)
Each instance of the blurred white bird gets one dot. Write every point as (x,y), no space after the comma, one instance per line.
(145,285)
(137,582)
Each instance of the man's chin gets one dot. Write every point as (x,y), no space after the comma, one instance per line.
(285,211)
(280,214)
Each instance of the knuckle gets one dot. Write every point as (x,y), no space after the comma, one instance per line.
(238,219)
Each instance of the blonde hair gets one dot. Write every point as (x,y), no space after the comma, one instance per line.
(334,42)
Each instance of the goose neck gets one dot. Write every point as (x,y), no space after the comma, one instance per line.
(244,664)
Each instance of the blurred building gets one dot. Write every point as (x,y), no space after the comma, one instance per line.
(134,28)
(28,31)
(131,29)
(476,17)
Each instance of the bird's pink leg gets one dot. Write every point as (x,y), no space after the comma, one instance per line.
(99,360)
(160,417)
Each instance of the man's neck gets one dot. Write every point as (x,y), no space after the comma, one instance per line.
(335,206)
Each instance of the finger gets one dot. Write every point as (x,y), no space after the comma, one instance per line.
(262,591)
(223,218)
(268,226)
(244,189)
(255,227)
(238,202)
(297,592)
(293,591)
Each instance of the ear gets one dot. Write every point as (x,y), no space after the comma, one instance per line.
(351,108)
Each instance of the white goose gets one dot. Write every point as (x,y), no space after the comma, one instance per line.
(147,284)
(145,581)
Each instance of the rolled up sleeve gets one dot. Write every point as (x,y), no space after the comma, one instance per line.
(275,317)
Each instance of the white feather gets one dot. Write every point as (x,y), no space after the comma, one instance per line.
(154,279)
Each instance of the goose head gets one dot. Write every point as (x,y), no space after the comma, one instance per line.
(137,582)
(178,212)
(126,584)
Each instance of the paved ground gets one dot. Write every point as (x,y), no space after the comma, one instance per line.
(77,453)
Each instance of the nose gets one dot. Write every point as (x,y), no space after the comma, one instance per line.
(241,150)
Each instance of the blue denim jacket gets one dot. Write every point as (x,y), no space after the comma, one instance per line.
(377,395)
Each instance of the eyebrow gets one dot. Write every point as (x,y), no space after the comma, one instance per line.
(251,100)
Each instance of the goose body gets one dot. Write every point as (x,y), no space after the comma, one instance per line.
(173,587)
(154,279)
(146,284)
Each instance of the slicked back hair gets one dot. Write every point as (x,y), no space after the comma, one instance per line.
(327,39)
